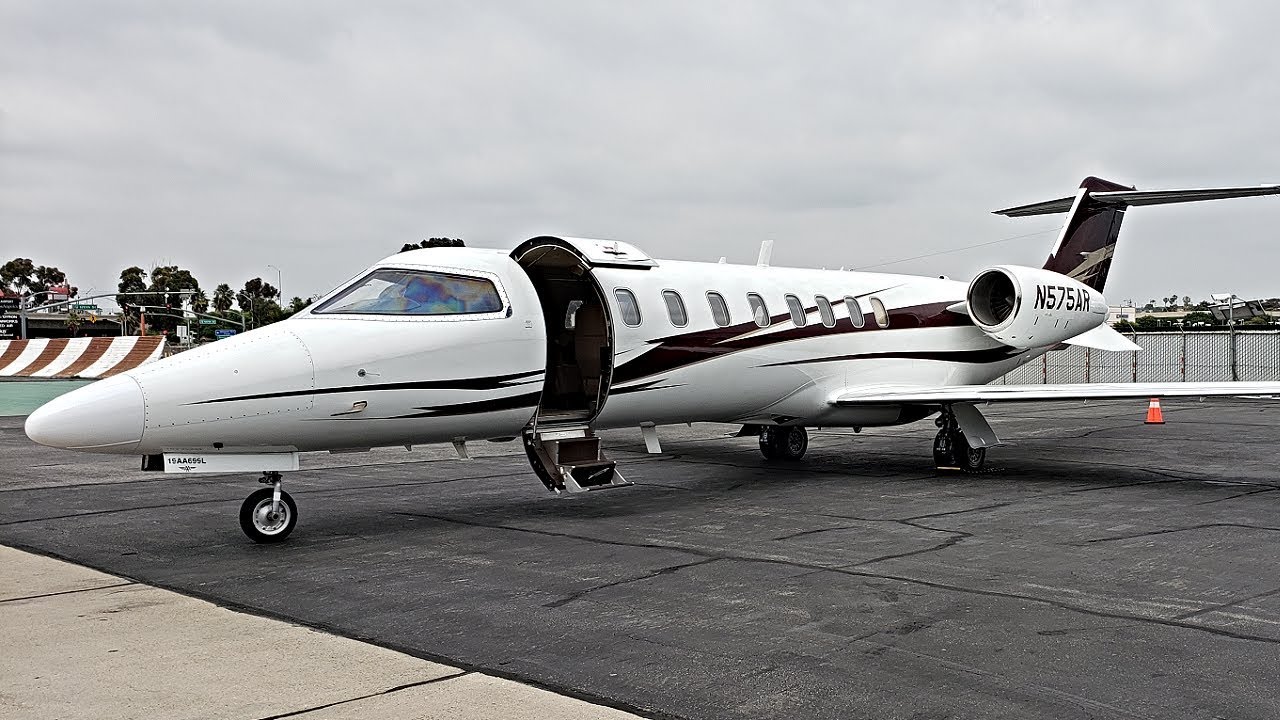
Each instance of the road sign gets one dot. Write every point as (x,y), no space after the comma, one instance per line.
(84,306)
(9,327)
(8,304)
(208,321)
(223,334)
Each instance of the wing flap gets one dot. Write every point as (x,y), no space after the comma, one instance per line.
(946,394)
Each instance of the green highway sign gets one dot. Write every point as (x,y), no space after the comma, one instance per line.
(84,307)
(208,321)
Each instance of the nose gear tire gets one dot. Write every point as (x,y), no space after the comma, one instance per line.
(264,523)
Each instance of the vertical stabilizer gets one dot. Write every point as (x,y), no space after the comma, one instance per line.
(1088,239)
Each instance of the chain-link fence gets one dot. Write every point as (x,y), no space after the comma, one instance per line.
(1165,357)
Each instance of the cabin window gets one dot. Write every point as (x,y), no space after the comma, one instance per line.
(629,307)
(675,308)
(855,312)
(882,315)
(389,291)
(759,312)
(719,308)
(825,312)
(797,311)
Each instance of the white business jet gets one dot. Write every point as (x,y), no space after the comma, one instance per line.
(565,336)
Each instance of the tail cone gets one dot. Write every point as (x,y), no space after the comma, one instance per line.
(1154,415)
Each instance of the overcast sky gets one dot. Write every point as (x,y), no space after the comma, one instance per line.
(319,137)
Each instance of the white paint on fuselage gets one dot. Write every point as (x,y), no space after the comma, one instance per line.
(323,381)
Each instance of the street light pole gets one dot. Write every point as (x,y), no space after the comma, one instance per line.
(1231,328)
(279,283)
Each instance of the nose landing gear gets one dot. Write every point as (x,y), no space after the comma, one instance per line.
(268,515)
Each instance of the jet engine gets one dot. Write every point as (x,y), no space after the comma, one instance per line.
(1026,307)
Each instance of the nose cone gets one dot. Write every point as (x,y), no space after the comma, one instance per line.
(106,416)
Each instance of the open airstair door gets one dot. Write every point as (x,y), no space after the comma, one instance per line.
(560,442)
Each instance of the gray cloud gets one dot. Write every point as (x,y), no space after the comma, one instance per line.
(321,136)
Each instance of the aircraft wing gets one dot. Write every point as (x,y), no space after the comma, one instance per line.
(945,394)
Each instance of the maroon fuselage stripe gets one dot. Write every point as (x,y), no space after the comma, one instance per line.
(678,351)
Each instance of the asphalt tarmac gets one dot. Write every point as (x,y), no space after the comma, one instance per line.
(1104,568)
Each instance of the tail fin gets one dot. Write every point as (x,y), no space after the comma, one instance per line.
(1088,239)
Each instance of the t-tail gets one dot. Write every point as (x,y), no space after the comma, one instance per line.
(1088,238)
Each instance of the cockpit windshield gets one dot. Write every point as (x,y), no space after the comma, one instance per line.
(415,292)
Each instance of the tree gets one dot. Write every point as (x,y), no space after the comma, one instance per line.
(433,242)
(1146,322)
(1199,319)
(297,304)
(22,277)
(1186,301)
(132,279)
(74,320)
(199,302)
(223,298)
(258,298)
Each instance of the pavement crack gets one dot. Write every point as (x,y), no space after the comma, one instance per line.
(1166,531)
(641,578)
(1225,605)
(68,592)
(992,506)
(1239,495)
(388,691)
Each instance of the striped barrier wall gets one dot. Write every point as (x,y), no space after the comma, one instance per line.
(96,357)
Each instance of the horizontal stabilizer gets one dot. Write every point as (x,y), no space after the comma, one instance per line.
(1127,198)
(1104,337)
(947,394)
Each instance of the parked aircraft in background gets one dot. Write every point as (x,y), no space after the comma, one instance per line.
(564,336)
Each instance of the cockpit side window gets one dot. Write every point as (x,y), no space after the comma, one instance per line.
(415,292)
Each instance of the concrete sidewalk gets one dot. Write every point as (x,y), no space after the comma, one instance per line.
(78,643)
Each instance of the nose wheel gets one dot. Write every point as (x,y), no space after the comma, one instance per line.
(268,515)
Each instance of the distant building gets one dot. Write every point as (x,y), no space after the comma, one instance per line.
(1116,313)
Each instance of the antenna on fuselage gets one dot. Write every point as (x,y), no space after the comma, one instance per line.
(766,251)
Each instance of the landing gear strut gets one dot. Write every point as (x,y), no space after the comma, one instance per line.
(783,443)
(951,449)
(268,515)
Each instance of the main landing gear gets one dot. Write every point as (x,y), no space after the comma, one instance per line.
(268,515)
(951,449)
(783,443)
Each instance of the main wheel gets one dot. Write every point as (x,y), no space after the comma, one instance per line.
(969,458)
(951,450)
(264,523)
(783,443)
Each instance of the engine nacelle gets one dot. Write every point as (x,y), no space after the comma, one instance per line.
(1026,307)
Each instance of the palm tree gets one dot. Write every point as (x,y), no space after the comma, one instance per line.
(223,298)
(199,302)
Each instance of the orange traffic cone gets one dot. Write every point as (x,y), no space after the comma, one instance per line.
(1154,415)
